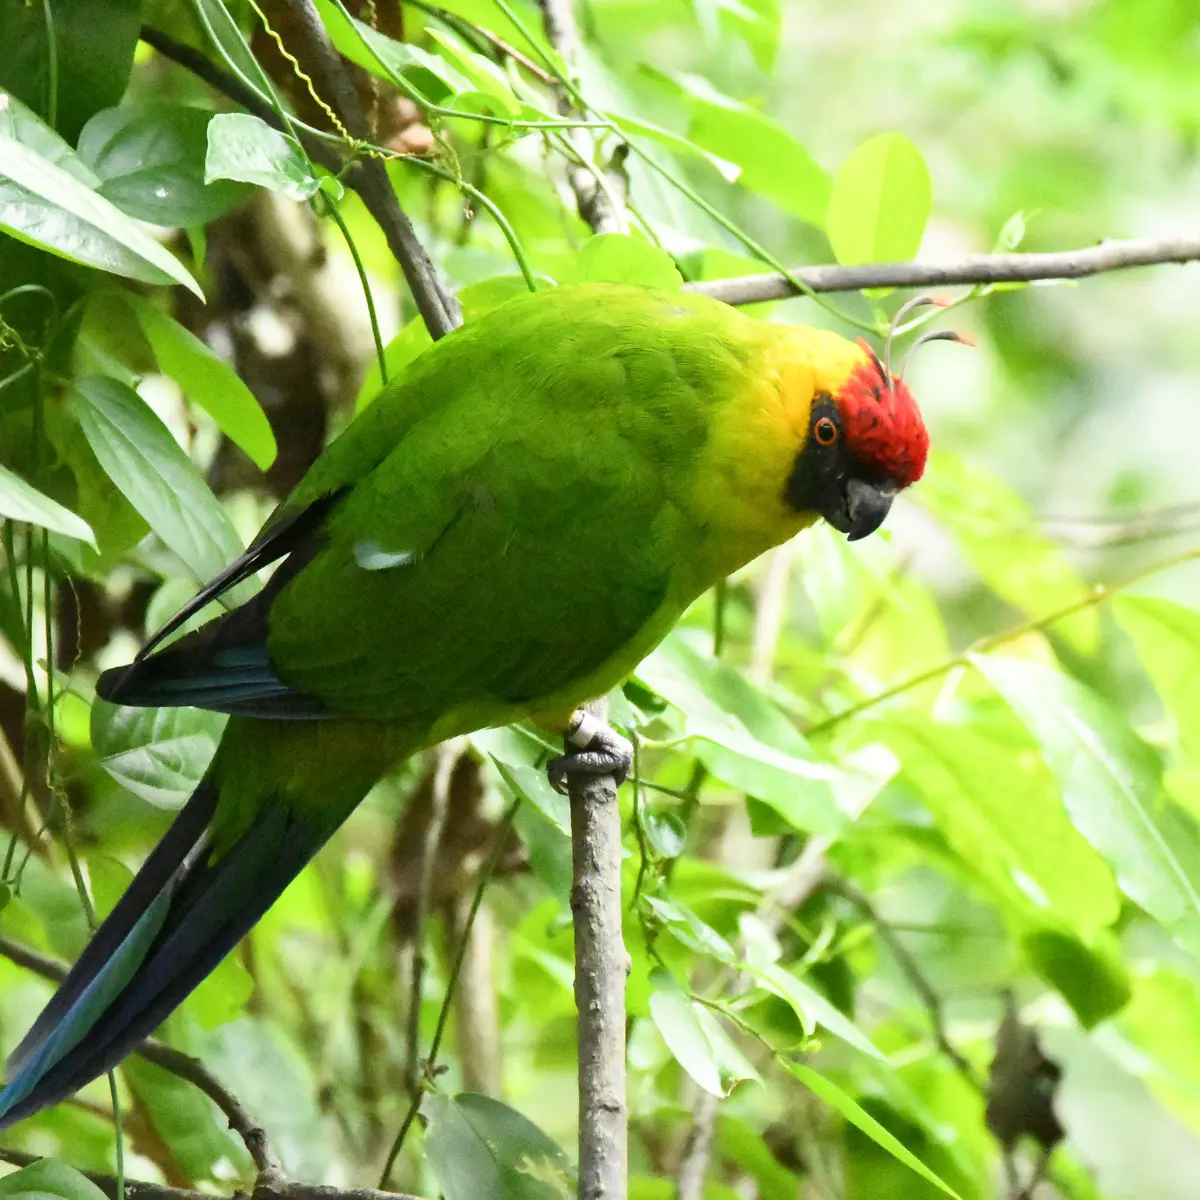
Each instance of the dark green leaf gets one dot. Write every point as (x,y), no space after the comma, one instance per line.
(146,463)
(879,202)
(21,502)
(159,754)
(246,148)
(94,41)
(150,160)
(46,206)
(1092,980)
(480,1149)
(862,1120)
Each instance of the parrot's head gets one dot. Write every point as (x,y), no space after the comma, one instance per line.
(865,442)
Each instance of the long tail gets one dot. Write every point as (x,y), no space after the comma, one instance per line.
(224,861)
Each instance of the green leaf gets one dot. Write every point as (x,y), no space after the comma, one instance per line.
(729,171)
(1167,637)
(1030,851)
(666,833)
(186,1119)
(94,43)
(676,1017)
(222,994)
(429,73)
(621,258)
(879,202)
(1092,979)
(147,465)
(19,501)
(1000,538)
(751,746)
(246,148)
(690,930)
(480,1149)
(208,382)
(1111,785)
(47,1178)
(488,79)
(772,162)
(812,1008)
(23,125)
(159,754)
(45,205)
(150,160)
(862,1120)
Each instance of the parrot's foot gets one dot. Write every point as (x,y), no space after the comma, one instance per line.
(601,751)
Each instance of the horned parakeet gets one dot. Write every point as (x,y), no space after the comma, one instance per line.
(504,533)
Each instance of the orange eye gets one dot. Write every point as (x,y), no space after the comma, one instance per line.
(825,431)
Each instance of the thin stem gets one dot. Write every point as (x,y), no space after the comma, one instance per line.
(1098,595)
(332,211)
(51,66)
(485,878)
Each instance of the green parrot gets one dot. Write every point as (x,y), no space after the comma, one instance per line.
(504,533)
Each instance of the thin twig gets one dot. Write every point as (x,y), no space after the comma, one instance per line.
(446,755)
(176,1062)
(267,1189)
(693,1167)
(599,191)
(929,996)
(970,269)
(435,302)
(601,964)
(485,877)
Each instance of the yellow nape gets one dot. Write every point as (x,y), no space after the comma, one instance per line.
(756,437)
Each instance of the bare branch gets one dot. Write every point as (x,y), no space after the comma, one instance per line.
(182,1065)
(267,1189)
(970,269)
(601,964)
(599,190)
(435,302)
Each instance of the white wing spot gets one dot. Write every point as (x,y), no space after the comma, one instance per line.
(372,557)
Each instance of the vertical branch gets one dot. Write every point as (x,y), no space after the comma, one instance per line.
(436,303)
(601,963)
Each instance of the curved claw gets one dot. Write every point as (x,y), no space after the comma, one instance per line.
(601,751)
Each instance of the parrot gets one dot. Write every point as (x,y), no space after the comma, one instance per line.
(502,534)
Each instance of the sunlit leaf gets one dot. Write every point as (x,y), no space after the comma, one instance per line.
(1167,637)
(208,382)
(21,502)
(246,148)
(1112,787)
(879,202)
(772,162)
(620,258)
(967,781)
(45,205)
(812,1008)
(674,1013)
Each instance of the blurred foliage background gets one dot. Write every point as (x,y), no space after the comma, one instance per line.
(905,808)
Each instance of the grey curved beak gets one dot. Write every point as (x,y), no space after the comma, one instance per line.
(867,505)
